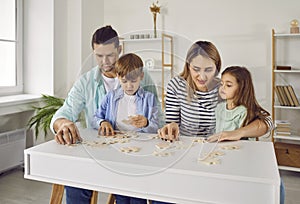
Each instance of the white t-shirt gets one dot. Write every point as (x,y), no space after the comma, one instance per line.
(110,83)
(126,107)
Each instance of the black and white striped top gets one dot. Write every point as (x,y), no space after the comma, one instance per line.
(196,117)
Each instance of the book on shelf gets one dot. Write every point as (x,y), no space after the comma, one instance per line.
(282,123)
(283,129)
(289,97)
(283,133)
(282,95)
(293,95)
(286,95)
(280,99)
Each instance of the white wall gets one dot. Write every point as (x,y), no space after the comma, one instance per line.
(241,30)
(38,46)
(57,37)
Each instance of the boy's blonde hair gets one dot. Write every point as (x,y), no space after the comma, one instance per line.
(129,65)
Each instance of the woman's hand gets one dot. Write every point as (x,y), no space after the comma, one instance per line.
(106,129)
(169,132)
(225,135)
(138,121)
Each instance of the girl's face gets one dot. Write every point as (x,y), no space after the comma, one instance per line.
(229,87)
(130,86)
(203,71)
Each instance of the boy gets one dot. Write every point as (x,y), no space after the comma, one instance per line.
(129,107)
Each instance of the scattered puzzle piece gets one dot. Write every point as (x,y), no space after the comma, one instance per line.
(130,149)
(230,147)
(161,154)
(210,161)
(162,145)
(200,140)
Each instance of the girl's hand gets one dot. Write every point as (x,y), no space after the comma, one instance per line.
(225,135)
(106,129)
(138,121)
(169,132)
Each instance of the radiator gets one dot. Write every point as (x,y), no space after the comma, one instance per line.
(12,145)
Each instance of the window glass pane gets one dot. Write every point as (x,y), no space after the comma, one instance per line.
(7,19)
(7,64)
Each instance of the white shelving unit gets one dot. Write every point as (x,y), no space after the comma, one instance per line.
(161,51)
(284,47)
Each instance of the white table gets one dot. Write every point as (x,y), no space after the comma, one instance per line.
(248,175)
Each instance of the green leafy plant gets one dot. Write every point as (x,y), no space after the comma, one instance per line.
(43,114)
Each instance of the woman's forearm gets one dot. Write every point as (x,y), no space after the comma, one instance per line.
(256,128)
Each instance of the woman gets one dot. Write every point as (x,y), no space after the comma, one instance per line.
(193,96)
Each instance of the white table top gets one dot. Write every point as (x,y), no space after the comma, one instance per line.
(247,175)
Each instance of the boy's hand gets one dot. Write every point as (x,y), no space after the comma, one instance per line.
(138,121)
(106,129)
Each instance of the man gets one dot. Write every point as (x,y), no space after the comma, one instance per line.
(86,95)
(87,92)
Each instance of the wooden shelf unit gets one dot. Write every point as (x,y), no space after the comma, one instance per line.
(285,76)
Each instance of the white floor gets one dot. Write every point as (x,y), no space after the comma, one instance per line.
(14,189)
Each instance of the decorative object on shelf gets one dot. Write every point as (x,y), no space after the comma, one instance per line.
(294,26)
(155,8)
(149,63)
(283,67)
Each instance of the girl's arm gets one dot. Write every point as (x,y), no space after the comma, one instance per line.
(256,128)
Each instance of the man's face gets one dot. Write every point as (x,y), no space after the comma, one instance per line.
(106,56)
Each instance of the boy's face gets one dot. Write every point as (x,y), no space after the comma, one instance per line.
(130,86)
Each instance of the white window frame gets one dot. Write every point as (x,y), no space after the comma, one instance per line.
(18,89)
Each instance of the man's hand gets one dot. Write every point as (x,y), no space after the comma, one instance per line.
(106,129)
(169,132)
(138,121)
(66,131)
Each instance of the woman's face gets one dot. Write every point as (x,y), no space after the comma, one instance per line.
(203,72)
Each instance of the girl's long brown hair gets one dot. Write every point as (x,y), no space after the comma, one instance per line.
(245,94)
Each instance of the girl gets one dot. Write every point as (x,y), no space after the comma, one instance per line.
(240,107)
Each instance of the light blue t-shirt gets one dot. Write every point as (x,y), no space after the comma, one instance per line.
(227,120)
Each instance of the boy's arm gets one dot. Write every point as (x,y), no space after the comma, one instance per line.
(152,114)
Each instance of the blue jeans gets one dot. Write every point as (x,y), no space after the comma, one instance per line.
(282,192)
(78,195)
(83,196)
(120,199)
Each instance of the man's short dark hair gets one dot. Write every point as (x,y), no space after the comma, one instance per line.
(105,35)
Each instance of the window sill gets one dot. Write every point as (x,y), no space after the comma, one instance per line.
(18,103)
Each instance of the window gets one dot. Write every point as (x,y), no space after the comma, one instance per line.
(10,47)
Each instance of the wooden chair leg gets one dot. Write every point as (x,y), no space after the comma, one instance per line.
(57,194)
(94,198)
(111,199)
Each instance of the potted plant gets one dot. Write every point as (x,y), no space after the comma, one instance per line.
(44,113)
